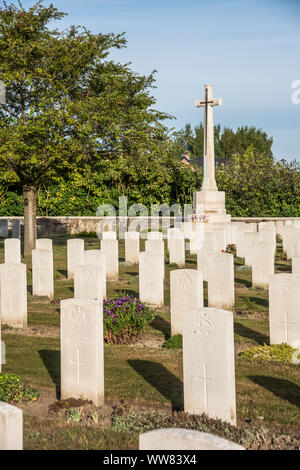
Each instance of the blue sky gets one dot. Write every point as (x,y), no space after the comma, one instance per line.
(249,49)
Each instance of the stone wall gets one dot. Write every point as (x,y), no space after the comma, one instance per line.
(53,226)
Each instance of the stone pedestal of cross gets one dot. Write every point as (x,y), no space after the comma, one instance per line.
(209,181)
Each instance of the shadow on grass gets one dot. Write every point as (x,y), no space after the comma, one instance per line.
(160,324)
(161,379)
(283,268)
(282,388)
(51,360)
(29,289)
(63,272)
(246,332)
(245,282)
(260,301)
(120,292)
(132,273)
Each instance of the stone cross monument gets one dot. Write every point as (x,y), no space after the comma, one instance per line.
(209,182)
(209,200)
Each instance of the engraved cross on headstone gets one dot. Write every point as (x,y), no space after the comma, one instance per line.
(220,288)
(78,363)
(286,324)
(205,381)
(209,181)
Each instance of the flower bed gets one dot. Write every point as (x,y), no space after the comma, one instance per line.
(12,389)
(125,318)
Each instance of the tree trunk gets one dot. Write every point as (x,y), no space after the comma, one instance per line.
(29,196)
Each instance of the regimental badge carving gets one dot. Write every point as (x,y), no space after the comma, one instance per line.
(148,259)
(287,288)
(85,276)
(78,316)
(10,275)
(205,326)
(91,258)
(184,282)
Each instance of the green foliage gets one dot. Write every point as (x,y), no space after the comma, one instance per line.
(175,342)
(257,185)
(80,131)
(275,352)
(125,318)
(227,142)
(139,423)
(12,389)
(73,414)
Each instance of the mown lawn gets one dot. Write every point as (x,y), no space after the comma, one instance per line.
(139,374)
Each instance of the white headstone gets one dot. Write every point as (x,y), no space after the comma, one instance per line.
(109,235)
(240,245)
(13,295)
(249,239)
(172,232)
(220,280)
(220,234)
(184,439)
(268,235)
(202,257)
(88,282)
(11,427)
(96,258)
(154,236)
(110,248)
(296,265)
(75,249)
(44,244)
(208,364)
(187,228)
(186,293)
(12,250)
(279,227)
(262,263)
(284,307)
(82,357)
(151,278)
(42,273)
(176,250)
(157,246)
(132,247)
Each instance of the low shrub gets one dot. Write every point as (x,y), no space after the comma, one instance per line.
(275,352)
(13,389)
(125,318)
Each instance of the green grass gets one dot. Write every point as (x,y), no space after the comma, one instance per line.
(144,374)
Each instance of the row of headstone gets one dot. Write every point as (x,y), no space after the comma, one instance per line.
(107,256)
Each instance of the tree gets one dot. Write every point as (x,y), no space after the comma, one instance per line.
(237,142)
(68,108)
(227,142)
